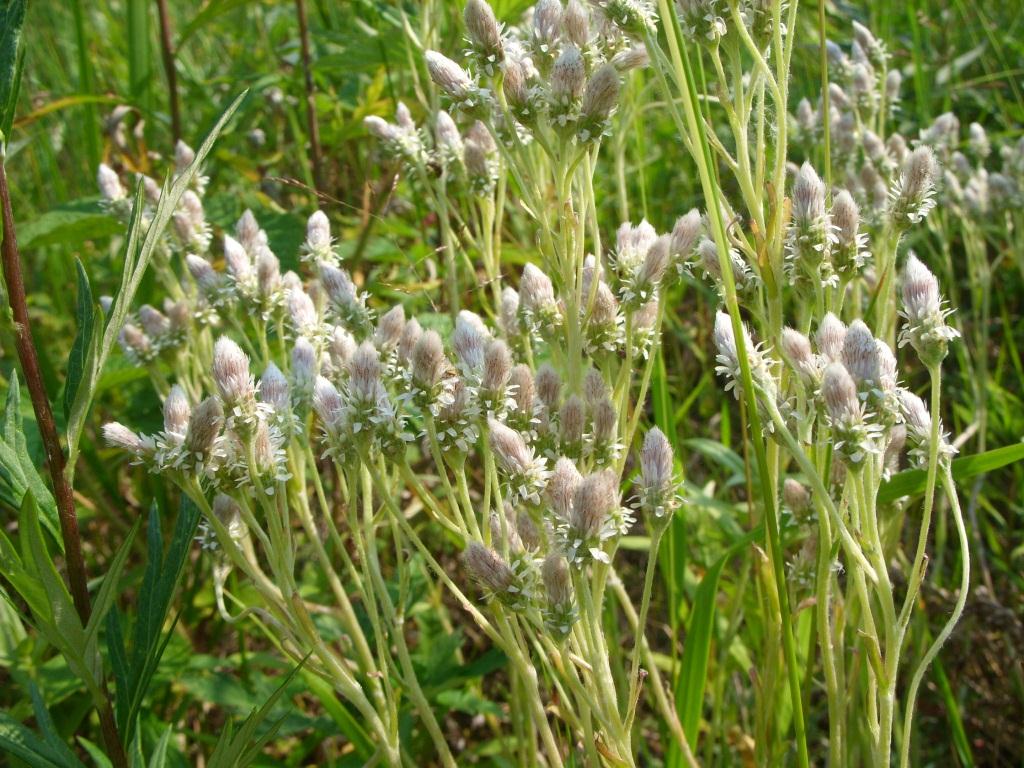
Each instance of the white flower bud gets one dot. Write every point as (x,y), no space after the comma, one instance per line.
(830,338)
(231,372)
(176,411)
(204,426)
(548,386)
(449,76)
(483,29)
(428,360)
(110,184)
(561,488)
(274,389)
(118,435)
(568,76)
(389,328)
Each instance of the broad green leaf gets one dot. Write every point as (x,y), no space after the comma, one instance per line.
(18,473)
(68,225)
(911,482)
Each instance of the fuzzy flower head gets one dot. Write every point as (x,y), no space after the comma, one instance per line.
(729,360)
(484,35)
(656,490)
(810,232)
(925,329)
(319,245)
(525,472)
(537,303)
(913,193)
(596,517)
(855,438)
(498,579)
(455,82)
(919,430)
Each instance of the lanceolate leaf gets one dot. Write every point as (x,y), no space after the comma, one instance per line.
(134,671)
(689,689)
(85,338)
(12,17)
(18,473)
(910,482)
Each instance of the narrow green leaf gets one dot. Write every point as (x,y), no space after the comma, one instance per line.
(689,688)
(159,583)
(22,743)
(12,18)
(340,714)
(138,251)
(911,482)
(239,750)
(105,597)
(85,319)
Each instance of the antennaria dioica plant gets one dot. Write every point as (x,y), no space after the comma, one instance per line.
(320,426)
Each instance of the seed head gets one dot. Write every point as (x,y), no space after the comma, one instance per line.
(572,422)
(568,76)
(520,384)
(914,193)
(110,184)
(839,391)
(561,489)
(327,403)
(657,485)
(411,333)
(860,354)
(595,498)
(808,195)
(497,366)
(796,349)
(510,449)
(364,372)
(685,234)
(602,93)
(635,57)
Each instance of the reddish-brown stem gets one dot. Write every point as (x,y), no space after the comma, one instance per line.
(167,51)
(62,493)
(315,155)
